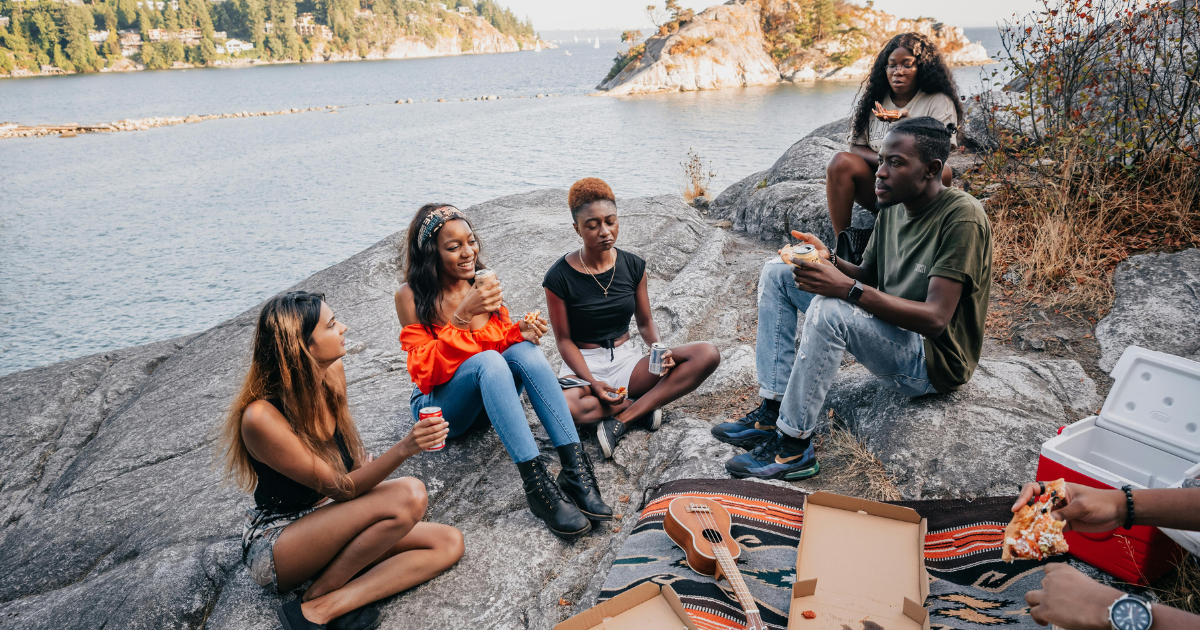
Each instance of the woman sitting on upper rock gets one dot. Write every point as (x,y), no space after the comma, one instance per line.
(467,357)
(323,510)
(592,294)
(909,79)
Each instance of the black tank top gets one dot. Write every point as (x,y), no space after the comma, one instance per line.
(594,316)
(276,492)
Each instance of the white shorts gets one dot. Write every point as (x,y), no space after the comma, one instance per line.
(613,367)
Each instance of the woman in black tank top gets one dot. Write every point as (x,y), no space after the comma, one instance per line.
(323,510)
(591,295)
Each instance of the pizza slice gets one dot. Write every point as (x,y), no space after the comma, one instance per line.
(1033,533)
(888,115)
(532,316)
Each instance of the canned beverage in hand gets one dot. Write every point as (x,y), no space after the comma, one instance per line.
(807,253)
(656,357)
(432,412)
(484,274)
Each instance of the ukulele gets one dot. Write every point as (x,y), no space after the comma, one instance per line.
(701,529)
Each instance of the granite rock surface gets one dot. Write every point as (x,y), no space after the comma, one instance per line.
(1157,307)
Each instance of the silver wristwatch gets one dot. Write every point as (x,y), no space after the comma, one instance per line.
(1130,613)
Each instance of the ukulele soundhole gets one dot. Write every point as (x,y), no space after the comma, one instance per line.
(713,536)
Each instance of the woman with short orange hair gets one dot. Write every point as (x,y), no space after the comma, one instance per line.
(592,294)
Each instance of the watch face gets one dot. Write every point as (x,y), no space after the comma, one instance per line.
(1131,614)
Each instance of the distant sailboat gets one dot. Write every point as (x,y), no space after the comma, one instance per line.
(538,48)
(597,43)
(567,52)
(576,39)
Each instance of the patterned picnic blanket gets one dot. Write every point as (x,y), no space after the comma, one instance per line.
(971,588)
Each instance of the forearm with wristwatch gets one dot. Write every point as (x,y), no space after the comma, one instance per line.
(852,272)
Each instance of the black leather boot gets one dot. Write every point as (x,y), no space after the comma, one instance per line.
(578,482)
(547,502)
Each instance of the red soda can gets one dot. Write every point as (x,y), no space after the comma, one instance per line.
(431,412)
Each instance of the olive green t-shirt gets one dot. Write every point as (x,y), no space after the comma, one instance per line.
(951,238)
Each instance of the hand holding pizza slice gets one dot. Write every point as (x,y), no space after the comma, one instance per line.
(1034,534)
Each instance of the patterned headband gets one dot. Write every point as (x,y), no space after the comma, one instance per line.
(436,220)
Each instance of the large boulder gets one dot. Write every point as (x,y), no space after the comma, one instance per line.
(721,47)
(982,440)
(113,514)
(791,194)
(1157,307)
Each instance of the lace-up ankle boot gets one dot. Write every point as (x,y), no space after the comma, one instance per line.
(547,502)
(578,481)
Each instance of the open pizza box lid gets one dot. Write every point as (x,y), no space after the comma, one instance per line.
(1155,399)
(644,607)
(859,561)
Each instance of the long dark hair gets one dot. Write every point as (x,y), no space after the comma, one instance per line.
(933,77)
(423,270)
(282,367)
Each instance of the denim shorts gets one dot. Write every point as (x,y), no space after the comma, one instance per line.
(259,533)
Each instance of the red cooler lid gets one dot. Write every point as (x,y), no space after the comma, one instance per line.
(1155,399)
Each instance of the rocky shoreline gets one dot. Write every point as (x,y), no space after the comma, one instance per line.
(112,513)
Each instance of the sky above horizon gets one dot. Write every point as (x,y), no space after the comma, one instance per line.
(554,15)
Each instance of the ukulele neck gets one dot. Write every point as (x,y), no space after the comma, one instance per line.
(730,570)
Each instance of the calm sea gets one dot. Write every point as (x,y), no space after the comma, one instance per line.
(112,240)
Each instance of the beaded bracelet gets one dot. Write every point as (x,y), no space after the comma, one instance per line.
(1128,506)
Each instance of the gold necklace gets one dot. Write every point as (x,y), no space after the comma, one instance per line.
(610,280)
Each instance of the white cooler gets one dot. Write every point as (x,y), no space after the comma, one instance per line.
(1147,436)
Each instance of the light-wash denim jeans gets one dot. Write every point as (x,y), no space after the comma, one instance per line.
(492,382)
(831,326)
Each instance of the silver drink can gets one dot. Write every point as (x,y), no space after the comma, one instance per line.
(656,357)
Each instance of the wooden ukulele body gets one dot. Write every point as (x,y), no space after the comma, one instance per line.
(686,530)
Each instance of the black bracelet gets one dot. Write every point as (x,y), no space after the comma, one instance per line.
(1128,506)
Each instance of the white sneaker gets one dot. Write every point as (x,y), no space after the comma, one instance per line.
(655,420)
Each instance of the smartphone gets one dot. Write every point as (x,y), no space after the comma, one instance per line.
(567,382)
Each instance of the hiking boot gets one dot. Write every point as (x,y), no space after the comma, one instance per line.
(752,429)
(578,482)
(608,433)
(852,243)
(780,457)
(547,502)
(292,619)
(366,618)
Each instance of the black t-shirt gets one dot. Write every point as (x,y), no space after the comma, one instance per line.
(595,317)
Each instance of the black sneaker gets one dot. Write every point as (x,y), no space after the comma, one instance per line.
(608,434)
(292,619)
(751,430)
(366,618)
(781,457)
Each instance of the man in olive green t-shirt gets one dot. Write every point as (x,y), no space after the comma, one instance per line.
(912,313)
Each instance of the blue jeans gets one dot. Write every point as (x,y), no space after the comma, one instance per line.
(491,382)
(831,326)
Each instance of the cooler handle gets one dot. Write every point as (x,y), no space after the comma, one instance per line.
(1097,472)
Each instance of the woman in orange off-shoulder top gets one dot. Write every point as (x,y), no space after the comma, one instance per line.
(467,356)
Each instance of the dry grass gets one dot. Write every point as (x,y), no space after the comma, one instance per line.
(696,178)
(849,465)
(689,45)
(1065,223)
(1181,587)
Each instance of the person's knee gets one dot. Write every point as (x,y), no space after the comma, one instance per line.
(709,356)
(451,544)
(842,163)
(408,500)
(585,405)
(774,276)
(825,314)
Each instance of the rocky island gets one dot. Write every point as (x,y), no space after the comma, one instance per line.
(760,42)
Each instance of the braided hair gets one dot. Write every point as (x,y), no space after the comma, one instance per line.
(933,77)
(931,136)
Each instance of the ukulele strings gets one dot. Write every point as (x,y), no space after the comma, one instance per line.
(735,581)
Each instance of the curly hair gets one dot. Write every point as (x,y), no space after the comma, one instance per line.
(933,77)
(931,135)
(423,270)
(588,190)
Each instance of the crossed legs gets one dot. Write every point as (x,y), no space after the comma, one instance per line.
(380,532)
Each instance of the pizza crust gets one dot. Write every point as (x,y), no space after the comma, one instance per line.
(1033,533)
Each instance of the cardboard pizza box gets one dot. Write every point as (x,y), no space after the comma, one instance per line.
(1147,435)
(859,561)
(645,607)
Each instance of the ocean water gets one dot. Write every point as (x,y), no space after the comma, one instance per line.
(112,240)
